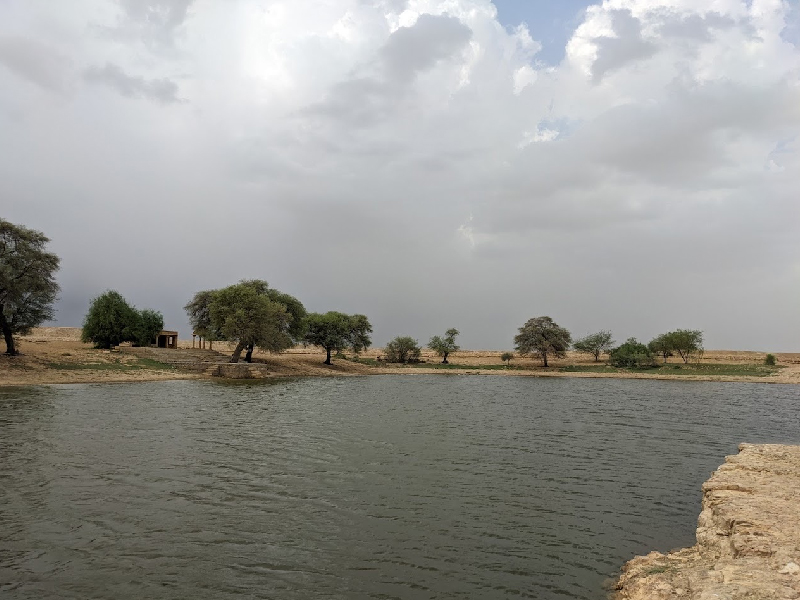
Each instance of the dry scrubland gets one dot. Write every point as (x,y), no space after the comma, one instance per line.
(56,355)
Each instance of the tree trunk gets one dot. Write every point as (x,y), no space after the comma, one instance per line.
(444,360)
(544,358)
(7,334)
(596,357)
(248,357)
(237,353)
(328,358)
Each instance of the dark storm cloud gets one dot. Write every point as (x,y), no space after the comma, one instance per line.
(627,47)
(164,91)
(36,62)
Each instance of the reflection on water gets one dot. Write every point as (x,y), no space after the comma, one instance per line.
(379,487)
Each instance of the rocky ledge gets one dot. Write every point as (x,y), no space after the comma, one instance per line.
(748,536)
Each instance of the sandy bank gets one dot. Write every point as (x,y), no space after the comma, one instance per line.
(748,536)
(56,355)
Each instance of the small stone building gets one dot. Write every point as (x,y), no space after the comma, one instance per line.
(167,339)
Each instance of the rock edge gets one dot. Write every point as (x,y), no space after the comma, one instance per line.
(748,536)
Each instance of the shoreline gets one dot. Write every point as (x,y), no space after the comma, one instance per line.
(748,539)
(56,356)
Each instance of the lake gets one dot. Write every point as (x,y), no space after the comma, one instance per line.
(408,487)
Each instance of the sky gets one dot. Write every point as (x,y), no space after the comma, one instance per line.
(624,165)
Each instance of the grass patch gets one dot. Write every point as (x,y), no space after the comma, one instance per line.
(117,365)
(742,370)
(456,367)
(657,569)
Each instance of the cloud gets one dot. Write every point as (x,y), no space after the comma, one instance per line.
(36,62)
(164,91)
(626,46)
(413,160)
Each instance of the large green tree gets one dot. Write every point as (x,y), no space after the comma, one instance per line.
(243,314)
(542,337)
(27,283)
(335,331)
(595,344)
(110,321)
(199,311)
(148,324)
(444,346)
(662,346)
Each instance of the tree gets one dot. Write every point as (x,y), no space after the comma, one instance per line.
(444,346)
(506,358)
(110,321)
(402,349)
(27,284)
(244,314)
(686,342)
(661,346)
(595,344)
(199,311)
(148,324)
(542,337)
(335,331)
(632,354)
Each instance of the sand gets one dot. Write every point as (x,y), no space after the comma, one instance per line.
(56,355)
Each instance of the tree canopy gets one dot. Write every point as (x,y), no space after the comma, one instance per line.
(686,342)
(632,354)
(109,321)
(27,281)
(443,346)
(542,337)
(595,344)
(335,331)
(403,349)
(662,346)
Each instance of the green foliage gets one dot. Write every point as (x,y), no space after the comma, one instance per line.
(148,324)
(250,314)
(199,311)
(686,342)
(595,344)
(506,357)
(769,360)
(335,332)
(110,321)
(542,337)
(443,346)
(27,283)
(662,346)
(244,314)
(402,349)
(632,355)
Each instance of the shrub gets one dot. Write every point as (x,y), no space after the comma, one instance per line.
(632,355)
(506,357)
(403,350)
(770,360)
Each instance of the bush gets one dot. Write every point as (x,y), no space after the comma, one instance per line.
(403,350)
(632,355)
(770,360)
(506,357)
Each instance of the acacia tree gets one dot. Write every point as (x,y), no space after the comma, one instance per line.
(595,344)
(199,311)
(541,337)
(506,357)
(403,349)
(662,346)
(27,284)
(249,314)
(686,342)
(335,331)
(148,324)
(443,346)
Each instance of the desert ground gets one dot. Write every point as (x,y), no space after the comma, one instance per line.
(56,355)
